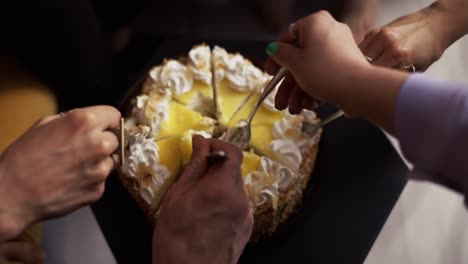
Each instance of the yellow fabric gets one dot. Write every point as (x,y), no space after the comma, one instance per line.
(23,100)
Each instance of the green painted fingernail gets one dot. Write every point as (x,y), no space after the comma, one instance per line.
(272,48)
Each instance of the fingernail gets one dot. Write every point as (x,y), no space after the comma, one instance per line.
(272,48)
(291,30)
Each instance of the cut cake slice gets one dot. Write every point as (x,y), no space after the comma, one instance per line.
(236,79)
(181,119)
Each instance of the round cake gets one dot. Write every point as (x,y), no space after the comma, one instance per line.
(206,93)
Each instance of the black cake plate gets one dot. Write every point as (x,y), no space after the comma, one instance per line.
(356,182)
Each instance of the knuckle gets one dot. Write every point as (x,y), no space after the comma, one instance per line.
(374,32)
(41,121)
(105,146)
(318,18)
(400,54)
(111,109)
(103,169)
(98,174)
(323,14)
(98,192)
(81,118)
(388,34)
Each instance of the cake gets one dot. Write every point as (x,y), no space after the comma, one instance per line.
(206,93)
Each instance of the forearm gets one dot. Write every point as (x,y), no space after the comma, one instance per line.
(12,222)
(449,19)
(372,92)
(428,116)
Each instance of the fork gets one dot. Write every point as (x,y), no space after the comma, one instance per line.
(240,135)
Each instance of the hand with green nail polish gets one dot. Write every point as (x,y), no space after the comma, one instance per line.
(325,63)
(321,62)
(272,48)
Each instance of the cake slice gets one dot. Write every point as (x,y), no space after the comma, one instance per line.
(265,115)
(261,139)
(200,97)
(283,140)
(181,118)
(166,117)
(151,167)
(250,163)
(236,79)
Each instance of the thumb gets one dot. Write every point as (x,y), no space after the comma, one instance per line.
(285,54)
(198,164)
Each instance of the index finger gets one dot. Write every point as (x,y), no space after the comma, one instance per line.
(102,117)
(271,67)
(295,31)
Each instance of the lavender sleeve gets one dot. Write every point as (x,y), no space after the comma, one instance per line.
(432,126)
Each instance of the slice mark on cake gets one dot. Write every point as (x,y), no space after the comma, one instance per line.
(235,78)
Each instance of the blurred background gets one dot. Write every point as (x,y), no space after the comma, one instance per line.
(77,53)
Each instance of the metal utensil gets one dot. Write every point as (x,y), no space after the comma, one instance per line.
(118,156)
(216,157)
(311,129)
(122,141)
(240,135)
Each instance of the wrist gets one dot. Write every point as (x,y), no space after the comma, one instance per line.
(12,217)
(372,93)
(449,21)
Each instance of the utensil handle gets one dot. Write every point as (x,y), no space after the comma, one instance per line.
(331,118)
(270,87)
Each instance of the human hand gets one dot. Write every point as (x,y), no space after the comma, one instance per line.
(319,62)
(205,217)
(14,252)
(419,39)
(57,166)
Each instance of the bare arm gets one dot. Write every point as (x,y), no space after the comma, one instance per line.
(418,38)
